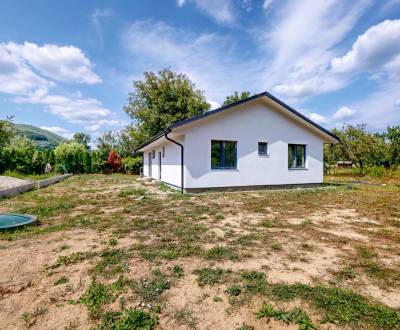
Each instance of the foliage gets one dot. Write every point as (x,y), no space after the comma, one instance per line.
(70,156)
(6,131)
(131,164)
(18,156)
(393,137)
(295,315)
(220,253)
(210,276)
(365,149)
(82,138)
(236,97)
(340,306)
(132,318)
(161,99)
(96,295)
(114,161)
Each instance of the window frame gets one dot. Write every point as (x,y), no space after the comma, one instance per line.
(153,154)
(223,155)
(294,155)
(264,154)
(163,151)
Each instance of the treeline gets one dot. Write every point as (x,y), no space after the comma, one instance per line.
(365,149)
(21,155)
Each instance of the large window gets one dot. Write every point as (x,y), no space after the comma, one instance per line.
(296,156)
(223,154)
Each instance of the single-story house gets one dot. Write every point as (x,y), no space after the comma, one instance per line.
(254,143)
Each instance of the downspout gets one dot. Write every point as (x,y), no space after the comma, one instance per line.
(182,163)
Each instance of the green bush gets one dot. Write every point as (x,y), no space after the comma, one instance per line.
(132,164)
(70,157)
(376,171)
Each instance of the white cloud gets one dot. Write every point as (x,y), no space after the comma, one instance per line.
(267,4)
(375,50)
(27,67)
(318,118)
(16,77)
(74,109)
(61,63)
(29,71)
(299,42)
(378,109)
(207,59)
(214,105)
(96,18)
(58,130)
(344,113)
(220,10)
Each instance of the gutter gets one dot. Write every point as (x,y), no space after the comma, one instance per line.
(182,162)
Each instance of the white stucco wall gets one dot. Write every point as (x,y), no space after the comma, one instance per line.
(248,125)
(170,163)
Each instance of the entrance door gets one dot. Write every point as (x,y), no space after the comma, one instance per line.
(150,174)
(159,165)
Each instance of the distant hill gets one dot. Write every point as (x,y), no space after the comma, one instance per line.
(42,138)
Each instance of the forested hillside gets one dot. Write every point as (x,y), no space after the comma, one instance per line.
(42,138)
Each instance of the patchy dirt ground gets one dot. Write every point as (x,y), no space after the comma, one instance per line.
(148,248)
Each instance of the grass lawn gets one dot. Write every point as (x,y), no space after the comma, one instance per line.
(111,252)
(29,176)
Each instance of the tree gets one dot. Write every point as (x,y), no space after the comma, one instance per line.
(6,131)
(236,97)
(82,138)
(114,161)
(359,146)
(69,157)
(160,100)
(393,137)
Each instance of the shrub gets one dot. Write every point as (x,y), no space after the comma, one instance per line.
(376,171)
(70,156)
(114,161)
(132,164)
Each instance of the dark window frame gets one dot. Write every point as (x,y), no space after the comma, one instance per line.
(294,150)
(223,165)
(263,153)
(163,151)
(153,154)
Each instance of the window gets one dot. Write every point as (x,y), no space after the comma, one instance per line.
(296,156)
(163,152)
(153,155)
(223,154)
(262,148)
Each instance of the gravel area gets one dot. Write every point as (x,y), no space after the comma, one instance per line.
(9,182)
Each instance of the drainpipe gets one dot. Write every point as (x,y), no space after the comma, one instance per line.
(182,163)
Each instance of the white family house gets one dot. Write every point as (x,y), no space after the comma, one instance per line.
(255,143)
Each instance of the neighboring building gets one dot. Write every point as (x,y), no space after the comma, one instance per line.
(254,143)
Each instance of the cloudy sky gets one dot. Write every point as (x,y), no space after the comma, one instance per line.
(69,65)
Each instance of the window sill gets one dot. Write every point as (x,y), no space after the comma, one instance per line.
(224,169)
(298,169)
(264,156)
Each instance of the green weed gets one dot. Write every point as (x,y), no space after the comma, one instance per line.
(61,280)
(132,319)
(210,276)
(220,253)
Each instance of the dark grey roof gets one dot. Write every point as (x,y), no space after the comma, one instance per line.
(226,107)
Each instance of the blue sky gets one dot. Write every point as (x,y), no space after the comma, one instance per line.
(69,65)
